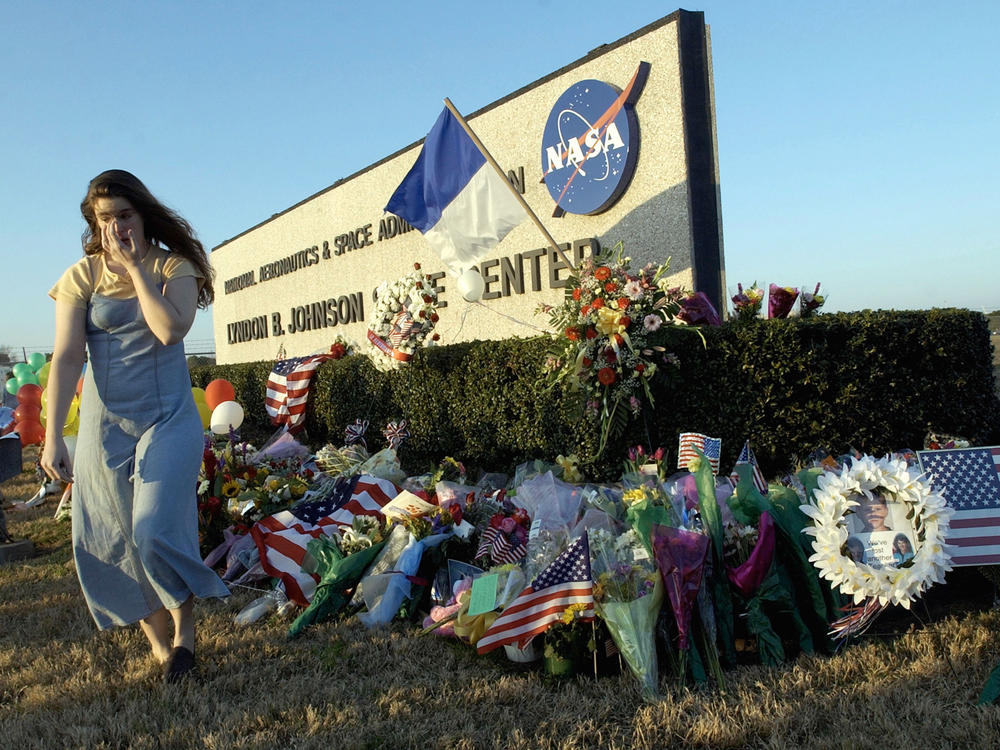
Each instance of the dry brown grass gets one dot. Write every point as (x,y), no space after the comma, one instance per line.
(63,684)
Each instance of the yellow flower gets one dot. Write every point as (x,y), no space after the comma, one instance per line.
(609,321)
(570,471)
(633,496)
(231,488)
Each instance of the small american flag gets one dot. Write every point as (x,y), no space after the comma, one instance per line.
(402,324)
(564,582)
(288,389)
(494,542)
(969,479)
(748,458)
(711,447)
(281,539)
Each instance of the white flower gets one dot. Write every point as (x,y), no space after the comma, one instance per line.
(652,322)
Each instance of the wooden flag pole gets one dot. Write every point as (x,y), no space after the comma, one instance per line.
(520,198)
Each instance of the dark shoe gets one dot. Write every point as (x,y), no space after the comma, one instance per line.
(179,664)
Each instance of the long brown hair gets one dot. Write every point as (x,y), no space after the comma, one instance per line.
(161,225)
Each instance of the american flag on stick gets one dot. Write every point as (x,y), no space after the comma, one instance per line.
(747,458)
(710,446)
(288,389)
(969,479)
(281,539)
(564,582)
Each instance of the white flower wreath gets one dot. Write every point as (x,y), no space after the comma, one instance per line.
(833,501)
(403,319)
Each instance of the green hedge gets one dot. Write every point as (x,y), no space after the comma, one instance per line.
(873,381)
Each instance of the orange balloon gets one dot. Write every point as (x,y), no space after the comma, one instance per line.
(217,391)
(29,393)
(79,385)
(31,432)
(27,412)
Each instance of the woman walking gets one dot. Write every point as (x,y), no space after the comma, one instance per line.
(130,300)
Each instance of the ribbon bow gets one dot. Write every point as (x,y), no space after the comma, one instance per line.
(355,433)
(396,433)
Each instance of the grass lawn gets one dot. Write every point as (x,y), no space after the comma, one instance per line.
(64,684)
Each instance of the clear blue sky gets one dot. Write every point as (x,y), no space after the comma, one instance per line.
(858,142)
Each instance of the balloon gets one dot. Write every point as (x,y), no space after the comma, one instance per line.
(205,413)
(29,394)
(79,386)
(27,377)
(36,361)
(198,394)
(12,386)
(43,374)
(31,432)
(72,426)
(471,285)
(218,391)
(226,415)
(21,368)
(74,407)
(27,413)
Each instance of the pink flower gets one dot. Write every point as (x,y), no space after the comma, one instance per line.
(652,322)
(508,525)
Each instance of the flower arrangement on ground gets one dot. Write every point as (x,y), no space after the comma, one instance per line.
(872,501)
(627,596)
(609,334)
(568,641)
(403,319)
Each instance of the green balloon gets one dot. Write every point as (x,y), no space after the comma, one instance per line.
(12,386)
(26,378)
(36,360)
(21,367)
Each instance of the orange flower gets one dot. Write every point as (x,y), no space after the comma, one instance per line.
(585,309)
(572,334)
(602,273)
(606,376)
(591,333)
(597,304)
(576,294)
(623,303)
(610,287)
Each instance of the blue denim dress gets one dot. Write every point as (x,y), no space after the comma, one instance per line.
(135,519)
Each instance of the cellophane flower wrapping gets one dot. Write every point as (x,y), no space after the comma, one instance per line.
(680,556)
(697,310)
(628,593)
(338,574)
(780,300)
(747,302)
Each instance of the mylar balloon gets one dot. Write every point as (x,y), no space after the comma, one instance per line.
(36,360)
(227,415)
(217,391)
(471,285)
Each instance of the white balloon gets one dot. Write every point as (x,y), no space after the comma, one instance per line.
(471,285)
(226,415)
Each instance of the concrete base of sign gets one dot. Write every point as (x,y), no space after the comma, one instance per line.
(16,551)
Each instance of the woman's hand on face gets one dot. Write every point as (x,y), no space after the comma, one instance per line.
(55,460)
(119,252)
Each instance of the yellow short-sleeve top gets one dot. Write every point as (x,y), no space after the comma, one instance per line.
(91,275)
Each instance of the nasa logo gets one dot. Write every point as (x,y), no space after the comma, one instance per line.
(591,144)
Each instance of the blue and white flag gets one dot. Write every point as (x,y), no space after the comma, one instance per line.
(455,198)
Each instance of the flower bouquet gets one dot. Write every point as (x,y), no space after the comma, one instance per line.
(780,300)
(627,596)
(340,560)
(505,538)
(568,641)
(747,303)
(809,303)
(608,340)
(403,319)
